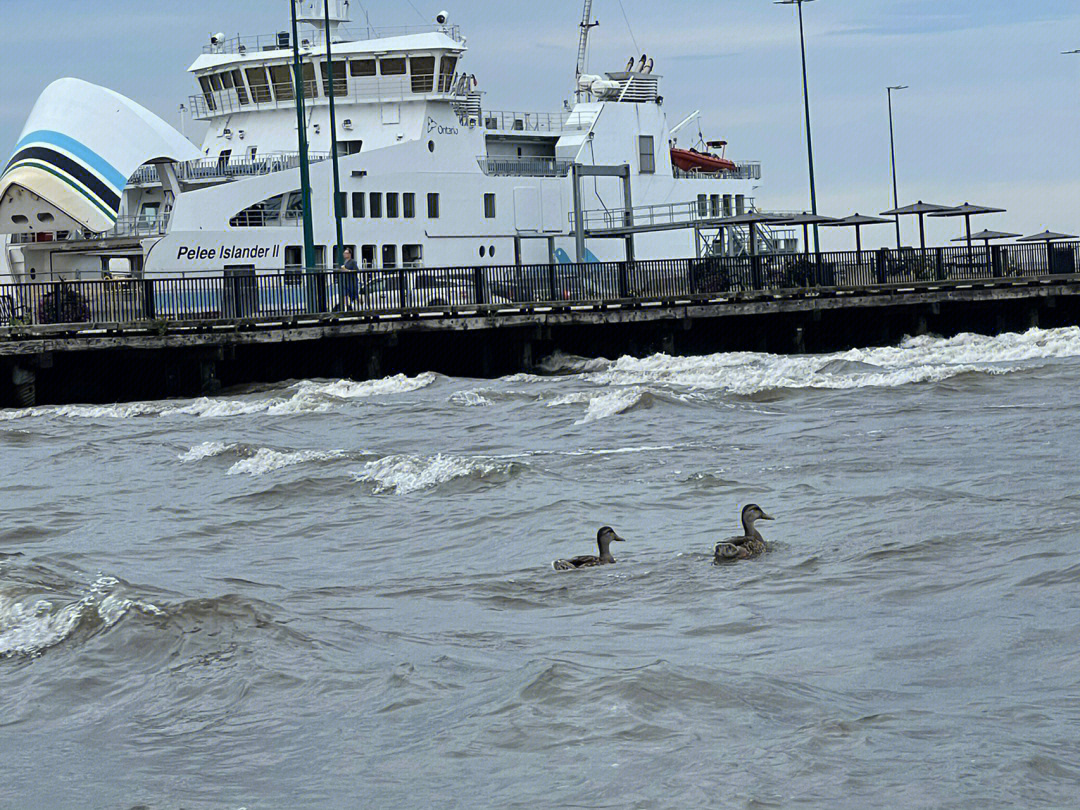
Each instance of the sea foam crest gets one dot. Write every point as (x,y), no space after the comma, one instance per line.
(29,628)
(915,360)
(613,403)
(266,460)
(205,450)
(402,474)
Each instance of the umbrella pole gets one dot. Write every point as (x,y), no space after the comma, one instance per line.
(922,232)
(806,237)
(858,242)
(971,253)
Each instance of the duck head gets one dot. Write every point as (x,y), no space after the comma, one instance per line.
(606,536)
(751,514)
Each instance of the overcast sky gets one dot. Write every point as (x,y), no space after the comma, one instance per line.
(992,116)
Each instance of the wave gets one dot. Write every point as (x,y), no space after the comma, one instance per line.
(306,396)
(915,360)
(614,403)
(266,460)
(561,363)
(403,474)
(469,399)
(30,625)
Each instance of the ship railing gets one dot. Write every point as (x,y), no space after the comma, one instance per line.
(448,290)
(749,170)
(352,90)
(687,213)
(525,166)
(225,168)
(512,121)
(282,40)
(125,227)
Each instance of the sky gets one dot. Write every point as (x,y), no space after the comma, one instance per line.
(991,116)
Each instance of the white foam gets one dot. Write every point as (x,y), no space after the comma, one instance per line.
(266,460)
(205,450)
(30,628)
(347,389)
(916,360)
(402,474)
(469,399)
(560,363)
(611,403)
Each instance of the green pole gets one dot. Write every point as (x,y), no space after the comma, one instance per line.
(301,132)
(339,258)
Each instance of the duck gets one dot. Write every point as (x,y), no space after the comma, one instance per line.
(604,538)
(751,544)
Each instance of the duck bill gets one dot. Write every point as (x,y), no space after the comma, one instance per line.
(620,539)
(766,517)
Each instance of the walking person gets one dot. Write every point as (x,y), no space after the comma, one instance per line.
(349,282)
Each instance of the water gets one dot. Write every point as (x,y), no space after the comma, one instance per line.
(335,595)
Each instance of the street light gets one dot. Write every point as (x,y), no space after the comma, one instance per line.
(806,102)
(892,145)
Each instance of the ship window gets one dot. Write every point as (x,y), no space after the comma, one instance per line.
(367,256)
(226,80)
(408,204)
(392,66)
(392,205)
(423,73)
(294,260)
(282,81)
(375,207)
(433,206)
(343,203)
(267,212)
(241,91)
(362,67)
(340,83)
(311,87)
(412,255)
(714,205)
(208,93)
(350,147)
(294,208)
(647,150)
(358,205)
(446,74)
(489,206)
(215,81)
(483,251)
(703,205)
(260,87)
(389,257)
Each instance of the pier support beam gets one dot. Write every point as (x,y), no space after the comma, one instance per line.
(25,382)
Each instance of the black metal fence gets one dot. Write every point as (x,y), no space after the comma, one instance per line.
(225,297)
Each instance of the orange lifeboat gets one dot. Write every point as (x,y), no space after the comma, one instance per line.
(690,160)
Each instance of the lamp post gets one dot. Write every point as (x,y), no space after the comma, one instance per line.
(331,74)
(806,104)
(302,142)
(892,146)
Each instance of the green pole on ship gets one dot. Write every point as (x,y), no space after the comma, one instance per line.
(301,132)
(339,258)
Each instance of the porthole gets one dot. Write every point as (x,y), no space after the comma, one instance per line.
(20,219)
(46,217)
(33,273)
(491,251)
(483,250)
(431,146)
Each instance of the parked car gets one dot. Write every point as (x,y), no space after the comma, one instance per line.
(421,288)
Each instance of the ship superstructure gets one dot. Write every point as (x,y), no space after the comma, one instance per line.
(430,176)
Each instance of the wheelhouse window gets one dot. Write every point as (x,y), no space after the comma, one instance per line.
(340,82)
(362,67)
(446,73)
(392,66)
(281,78)
(215,81)
(647,150)
(433,205)
(208,93)
(259,84)
(241,90)
(423,73)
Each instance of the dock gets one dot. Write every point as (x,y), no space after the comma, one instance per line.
(132,339)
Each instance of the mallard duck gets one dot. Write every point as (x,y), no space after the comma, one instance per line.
(604,538)
(751,544)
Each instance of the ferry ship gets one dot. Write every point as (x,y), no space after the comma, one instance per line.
(429,175)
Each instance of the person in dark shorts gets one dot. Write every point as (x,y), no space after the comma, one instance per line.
(350,283)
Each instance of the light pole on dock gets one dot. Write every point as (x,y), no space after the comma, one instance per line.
(302,143)
(806,104)
(892,147)
(339,258)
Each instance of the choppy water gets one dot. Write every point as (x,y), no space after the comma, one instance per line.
(336,595)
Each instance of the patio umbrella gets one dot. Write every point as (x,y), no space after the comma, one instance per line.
(967,211)
(1048,236)
(806,220)
(857,221)
(919,209)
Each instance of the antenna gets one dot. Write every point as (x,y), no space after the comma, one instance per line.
(583,47)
